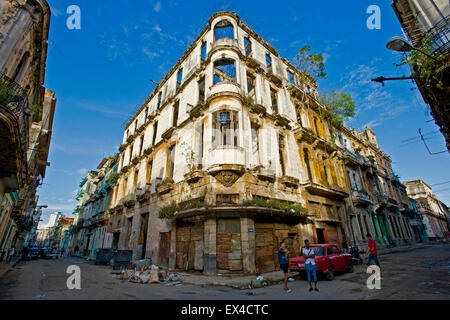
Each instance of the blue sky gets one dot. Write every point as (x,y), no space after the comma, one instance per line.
(101,75)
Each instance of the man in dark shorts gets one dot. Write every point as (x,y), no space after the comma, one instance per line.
(282,253)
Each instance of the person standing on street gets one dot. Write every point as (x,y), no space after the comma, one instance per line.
(282,257)
(11,252)
(372,252)
(310,265)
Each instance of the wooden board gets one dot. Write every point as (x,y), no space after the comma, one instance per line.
(228,245)
(189,248)
(264,249)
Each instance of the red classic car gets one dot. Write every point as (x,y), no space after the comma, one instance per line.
(329,258)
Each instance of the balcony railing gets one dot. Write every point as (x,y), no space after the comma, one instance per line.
(438,36)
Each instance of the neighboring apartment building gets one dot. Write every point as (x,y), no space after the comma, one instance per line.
(435,212)
(428,23)
(26,115)
(230,155)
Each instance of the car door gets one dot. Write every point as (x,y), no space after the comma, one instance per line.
(333,256)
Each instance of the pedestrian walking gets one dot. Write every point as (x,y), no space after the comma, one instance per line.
(282,257)
(310,265)
(372,252)
(62,251)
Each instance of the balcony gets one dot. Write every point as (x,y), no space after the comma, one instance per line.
(129,200)
(360,198)
(14,133)
(225,43)
(325,191)
(290,182)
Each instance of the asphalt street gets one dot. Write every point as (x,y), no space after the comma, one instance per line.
(421,274)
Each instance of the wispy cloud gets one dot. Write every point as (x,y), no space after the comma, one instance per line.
(82,171)
(157,6)
(149,53)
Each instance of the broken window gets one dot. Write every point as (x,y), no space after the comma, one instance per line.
(247,46)
(155,129)
(201,90)
(268,63)
(291,77)
(146,114)
(179,78)
(223,29)
(159,100)
(325,170)
(274,100)
(316,127)
(224,71)
(135,126)
(225,128)
(251,84)
(176,106)
(203,51)
(131,153)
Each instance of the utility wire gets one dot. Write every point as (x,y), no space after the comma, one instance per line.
(437,184)
(432,153)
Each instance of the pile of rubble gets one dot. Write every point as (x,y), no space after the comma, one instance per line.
(149,274)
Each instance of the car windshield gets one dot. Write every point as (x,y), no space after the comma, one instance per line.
(318,251)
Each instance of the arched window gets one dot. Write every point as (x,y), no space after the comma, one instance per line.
(179,78)
(223,29)
(308,168)
(203,51)
(225,128)
(224,70)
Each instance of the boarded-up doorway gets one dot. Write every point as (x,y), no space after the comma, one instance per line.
(164,248)
(190,247)
(265,248)
(229,252)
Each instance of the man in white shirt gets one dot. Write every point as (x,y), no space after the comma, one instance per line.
(310,265)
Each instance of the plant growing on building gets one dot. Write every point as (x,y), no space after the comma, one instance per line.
(6,95)
(424,67)
(339,106)
(310,63)
(371,159)
(190,155)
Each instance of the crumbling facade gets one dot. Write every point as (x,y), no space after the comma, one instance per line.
(26,116)
(232,154)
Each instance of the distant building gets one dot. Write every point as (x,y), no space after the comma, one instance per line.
(435,212)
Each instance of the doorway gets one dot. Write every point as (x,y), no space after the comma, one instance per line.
(142,242)
(320,233)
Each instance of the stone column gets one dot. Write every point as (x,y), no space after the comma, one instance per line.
(209,256)
(248,244)
(173,247)
(377,227)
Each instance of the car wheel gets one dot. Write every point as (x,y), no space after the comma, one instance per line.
(329,275)
(350,268)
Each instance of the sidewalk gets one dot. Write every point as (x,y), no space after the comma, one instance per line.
(5,267)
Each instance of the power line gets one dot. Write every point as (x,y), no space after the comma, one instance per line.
(432,153)
(437,184)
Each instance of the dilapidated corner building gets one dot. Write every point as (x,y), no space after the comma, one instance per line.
(231,154)
(217,165)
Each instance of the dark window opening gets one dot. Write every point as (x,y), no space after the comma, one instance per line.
(274,99)
(223,29)
(179,78)
(308,168)
(203,51)
(155,129)
(320,236)
(281,153)
(255,142)
(201,90)
(224,71)
(251,84)
(20,66)
(247,46)
(141,145)
(159,100)
(176,106)
(225,128)
(316,127)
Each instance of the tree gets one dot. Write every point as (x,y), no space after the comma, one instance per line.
(310,63)
(340,106)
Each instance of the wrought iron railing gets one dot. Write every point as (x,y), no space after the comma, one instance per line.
(438,36)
